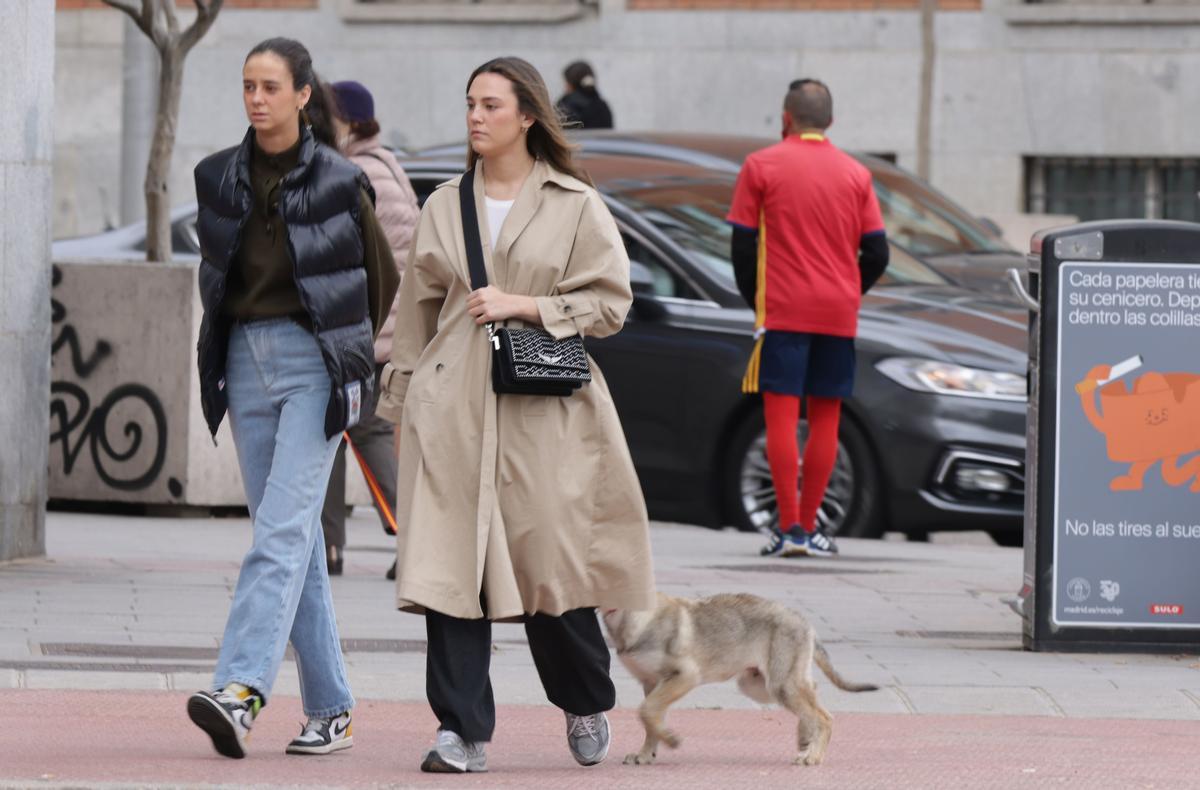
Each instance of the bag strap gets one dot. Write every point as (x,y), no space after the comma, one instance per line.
(466,207)
(466,202)
(379,158)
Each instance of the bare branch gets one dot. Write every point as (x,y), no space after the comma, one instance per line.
(159,21)
(128,6)
(155,27)
(142,15)
(172,19)
(206,14)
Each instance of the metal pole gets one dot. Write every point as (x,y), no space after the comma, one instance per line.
(925,98)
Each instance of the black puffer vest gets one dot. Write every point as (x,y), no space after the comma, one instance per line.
(319,205)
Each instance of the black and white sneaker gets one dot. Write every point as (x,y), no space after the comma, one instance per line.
(227,716)
(818,544)
(322,735)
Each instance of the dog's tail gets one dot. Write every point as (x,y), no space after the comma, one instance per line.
(822,659)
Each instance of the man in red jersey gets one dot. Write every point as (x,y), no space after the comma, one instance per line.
(808,241)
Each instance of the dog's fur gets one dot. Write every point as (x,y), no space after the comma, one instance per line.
(684,643)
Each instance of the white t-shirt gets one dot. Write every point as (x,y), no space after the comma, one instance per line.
(497,210)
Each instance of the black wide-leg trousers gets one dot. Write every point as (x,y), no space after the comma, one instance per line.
(569,651)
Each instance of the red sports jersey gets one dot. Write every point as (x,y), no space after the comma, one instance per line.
(811,204)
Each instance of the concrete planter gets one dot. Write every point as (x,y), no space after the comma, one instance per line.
(125,420)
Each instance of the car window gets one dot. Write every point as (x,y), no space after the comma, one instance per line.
(693,216)
(925,223)
(666,282)
(904,269)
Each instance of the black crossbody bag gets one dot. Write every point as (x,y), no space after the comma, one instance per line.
(524,361)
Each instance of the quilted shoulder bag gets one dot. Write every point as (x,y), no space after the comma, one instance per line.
(526,361)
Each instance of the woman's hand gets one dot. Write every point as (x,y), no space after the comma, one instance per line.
(490,304)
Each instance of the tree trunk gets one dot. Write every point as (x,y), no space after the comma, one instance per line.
(157,19)
(925,100)
(158,169)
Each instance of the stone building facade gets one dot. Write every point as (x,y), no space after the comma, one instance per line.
(1052,106)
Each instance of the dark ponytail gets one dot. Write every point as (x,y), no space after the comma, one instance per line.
(318,113)
(580,77)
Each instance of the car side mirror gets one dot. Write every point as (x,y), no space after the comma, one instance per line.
(645,303)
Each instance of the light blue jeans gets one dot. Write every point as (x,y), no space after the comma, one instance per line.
(278,389)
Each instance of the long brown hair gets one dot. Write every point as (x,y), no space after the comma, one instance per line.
(545,139)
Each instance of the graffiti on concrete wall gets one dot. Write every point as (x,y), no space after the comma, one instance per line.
(124,432)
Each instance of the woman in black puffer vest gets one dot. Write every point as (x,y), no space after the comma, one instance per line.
(296,278)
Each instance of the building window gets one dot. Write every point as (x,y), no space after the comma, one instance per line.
(1095,3)
(185,5)
(546,11)
(797,5)
(1112,188)
(1102,13)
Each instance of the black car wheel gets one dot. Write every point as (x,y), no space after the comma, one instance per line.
(852,506)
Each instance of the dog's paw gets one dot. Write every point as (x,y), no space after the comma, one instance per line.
(807,758)
(671,739)
(636,758)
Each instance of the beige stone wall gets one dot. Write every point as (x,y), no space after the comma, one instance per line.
(1012,80)
(125,419)
(26,129)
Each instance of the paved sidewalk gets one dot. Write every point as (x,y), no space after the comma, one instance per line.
(137,605)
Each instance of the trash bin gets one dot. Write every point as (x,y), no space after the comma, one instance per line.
(1112,512)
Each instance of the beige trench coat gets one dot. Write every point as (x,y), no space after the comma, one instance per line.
(532,501)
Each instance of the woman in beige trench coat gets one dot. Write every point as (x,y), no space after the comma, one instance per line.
(513,506)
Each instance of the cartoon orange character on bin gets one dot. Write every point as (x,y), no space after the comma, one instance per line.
(1158,420)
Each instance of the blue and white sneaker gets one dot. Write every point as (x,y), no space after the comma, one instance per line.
(783,544)
(818,544)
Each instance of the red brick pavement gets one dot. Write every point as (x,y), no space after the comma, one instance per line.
(70,737)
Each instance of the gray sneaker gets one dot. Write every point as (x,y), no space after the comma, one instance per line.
(452,755)
(588,738)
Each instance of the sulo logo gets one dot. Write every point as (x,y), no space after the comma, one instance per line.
(1169,609)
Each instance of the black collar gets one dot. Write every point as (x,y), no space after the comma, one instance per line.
(308,149)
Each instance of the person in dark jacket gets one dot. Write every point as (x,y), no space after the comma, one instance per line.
(581,105)
(296,278)
(397,210)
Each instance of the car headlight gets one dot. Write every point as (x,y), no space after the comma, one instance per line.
(947,378)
